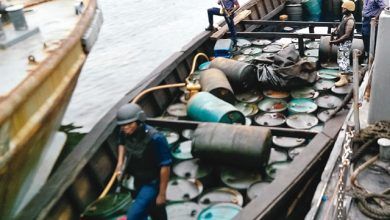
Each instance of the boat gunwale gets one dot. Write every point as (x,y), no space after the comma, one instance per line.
(79,157)
(92,142)
(11,101)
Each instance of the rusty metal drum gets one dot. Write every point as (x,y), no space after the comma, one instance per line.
(215,82)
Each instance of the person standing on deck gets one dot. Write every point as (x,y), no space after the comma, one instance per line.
(344,36)
(228,7)
(148,161)
(371,9)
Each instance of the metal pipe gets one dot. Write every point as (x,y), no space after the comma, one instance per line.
(17,18)
(356,54)
(372,42)
(301,45)
(384,149)
(293,23)
(282,34)
(2,33)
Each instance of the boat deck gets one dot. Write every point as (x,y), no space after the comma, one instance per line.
(55,20)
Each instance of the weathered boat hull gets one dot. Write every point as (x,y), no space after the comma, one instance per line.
(33,110)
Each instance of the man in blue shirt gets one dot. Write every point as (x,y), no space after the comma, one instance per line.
(228,7)
(148,160)
(371,9)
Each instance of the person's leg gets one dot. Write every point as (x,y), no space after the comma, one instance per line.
(158,212)
(343,54)
(366,33)
(211,12)
(143,201)
(232,29)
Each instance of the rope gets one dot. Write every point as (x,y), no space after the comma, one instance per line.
(362,195)
(361,150)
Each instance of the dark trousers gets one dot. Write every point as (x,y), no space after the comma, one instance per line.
(145,204)
(229,21)
(366,30)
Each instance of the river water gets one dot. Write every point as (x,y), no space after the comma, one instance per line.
(137,36)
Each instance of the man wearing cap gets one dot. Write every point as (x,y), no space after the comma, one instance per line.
(148,160)
(371,9)
(344,36)
(228,7)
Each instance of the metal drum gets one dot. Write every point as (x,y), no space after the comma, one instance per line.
(243,58)
(342,90)
(204,66)
(261,42)
(323,84)
(192,169)
(251,51)
(276,94)
(312,45)
(221,195)
(311,53)
(248,109)
(239,179)
(302,121)
(270,119)
(172,137)
(306,92)
(294,12)
(272,105)
(178,110)
(328,101)
(182,151)
(328,54)
(167,117)
(301,106)
(237,145)
(110,206)
(215,82)
(257,189)
(243,43)
(248,121)
(250,97)
(328,73)
(272,48)
(277,156)
(221,211)
(183,190)
(187,133)
(310,59)
(287,142)
(208,108)
(242,76)
(183,210)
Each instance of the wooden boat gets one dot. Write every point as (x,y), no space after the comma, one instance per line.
(82,175)
(355,180)
(40,63)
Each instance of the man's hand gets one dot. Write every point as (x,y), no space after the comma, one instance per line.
(161,199)
(332,42)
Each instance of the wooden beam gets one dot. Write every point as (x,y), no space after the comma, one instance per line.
(241,16)
(255,35)
(268,16)
(293,23)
